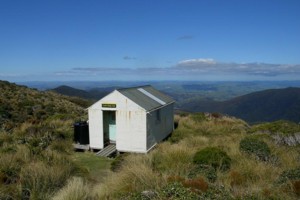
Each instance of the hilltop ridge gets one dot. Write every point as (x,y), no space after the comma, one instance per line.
(19,104)
(262,106)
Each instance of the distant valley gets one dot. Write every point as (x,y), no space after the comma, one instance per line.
(242,99)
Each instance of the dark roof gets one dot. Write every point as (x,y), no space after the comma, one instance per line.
(146,96)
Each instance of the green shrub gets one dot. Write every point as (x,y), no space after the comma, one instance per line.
(140,196)
(213,157)
(289,175)
(254,146)
(197,185)
(205,170)
(217,193)
(176,190)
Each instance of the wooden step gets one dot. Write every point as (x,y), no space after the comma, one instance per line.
(107,151)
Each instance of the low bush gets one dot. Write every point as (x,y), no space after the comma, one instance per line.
(289,175)
(214,157)
(254,146)
(205,170)
(176,190)
(145,195)
(216,192)
(197,185)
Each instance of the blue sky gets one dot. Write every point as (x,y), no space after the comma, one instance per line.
(57,40)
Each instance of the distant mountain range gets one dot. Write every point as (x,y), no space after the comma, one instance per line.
(262,106)
(267,105)
(92,94)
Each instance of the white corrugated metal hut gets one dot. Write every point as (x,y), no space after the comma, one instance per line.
(135,119)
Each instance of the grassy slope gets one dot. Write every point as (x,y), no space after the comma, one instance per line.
(19,104)
(172,162)
(96,167)
(35,142)
(37,159)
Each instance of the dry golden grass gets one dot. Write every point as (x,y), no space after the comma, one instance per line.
(195,142)
(173,159)
(41,180)
(135,176)
(23,153)
(246,177)
(76,189)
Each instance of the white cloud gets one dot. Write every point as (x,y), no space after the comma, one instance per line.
(198,61)
(191,69)
(212,66)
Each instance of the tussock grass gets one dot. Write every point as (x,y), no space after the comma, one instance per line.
(136,176)
(207,125)
(76,189)
(35,142)
(195,142)
(248,178)
(173,159)
(10,167)
(38,180)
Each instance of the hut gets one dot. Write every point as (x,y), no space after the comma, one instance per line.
(134,119)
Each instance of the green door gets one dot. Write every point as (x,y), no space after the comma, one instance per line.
(112,127)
